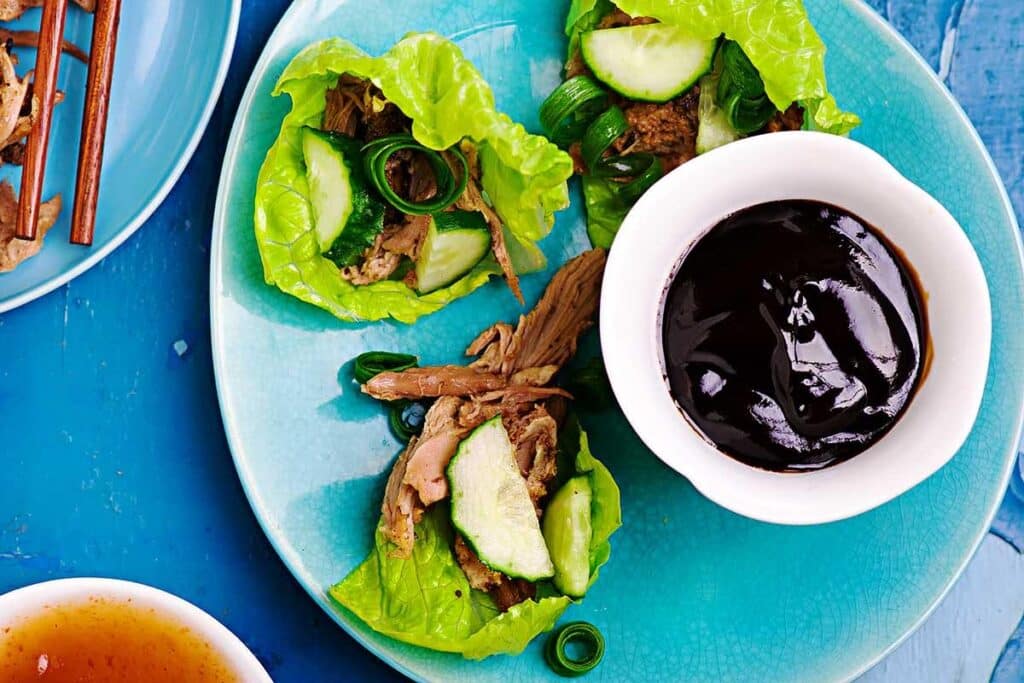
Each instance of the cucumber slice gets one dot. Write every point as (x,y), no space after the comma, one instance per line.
(651,62)
(456,241)
(330,190)
(491,506)
(567,532)
(348,214)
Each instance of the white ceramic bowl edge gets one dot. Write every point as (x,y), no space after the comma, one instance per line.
(681,207)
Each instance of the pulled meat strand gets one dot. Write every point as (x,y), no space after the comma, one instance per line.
(431,382)
(12,250)
(493,385)
(31,39)
(12,9)
(472,200)
(548,334)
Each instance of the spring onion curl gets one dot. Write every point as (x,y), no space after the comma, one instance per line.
(449,187)
(569,114)
(741,91)
(606,129)
(406,419)
(581,634)
(567,111)
(370,364)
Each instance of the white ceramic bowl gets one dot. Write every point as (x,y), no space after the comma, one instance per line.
(681,207)
(31,600)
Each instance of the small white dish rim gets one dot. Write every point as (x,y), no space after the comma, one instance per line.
(682,206)
(26,602)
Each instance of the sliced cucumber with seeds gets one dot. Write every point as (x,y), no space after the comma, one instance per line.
(330,190)
(348,214)
(491,505)
(567,532)
(651,62)
(455,242)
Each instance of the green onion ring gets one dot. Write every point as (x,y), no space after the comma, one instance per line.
(651,173)
(370,364)
(748,115)
(622,166)
(566,112)
(449,189)
(582,633)
(406,419)
(600,135)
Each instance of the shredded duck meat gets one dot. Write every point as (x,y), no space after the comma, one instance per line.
(12,250)
(500,382)
(12,9)
(31,39)
(473,200)
(446,380)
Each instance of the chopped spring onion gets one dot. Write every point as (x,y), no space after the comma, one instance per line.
(568,114)
(579,635)
(370,364)
(449,188)
(568,111)
(748,115)
(741,92)
(406,419)
(605,130)
(652,171)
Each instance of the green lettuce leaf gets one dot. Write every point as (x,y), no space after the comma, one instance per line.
(430,80)
(584,15)
(605,210)
(776,35)
(511,632)
(426,600)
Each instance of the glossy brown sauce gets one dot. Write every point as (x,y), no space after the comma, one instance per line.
(794,335)
(106,641)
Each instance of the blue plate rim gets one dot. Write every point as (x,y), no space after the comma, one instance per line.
(159,195)
(1010,457)
(236,449)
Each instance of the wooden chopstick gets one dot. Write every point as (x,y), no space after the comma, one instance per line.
(51,35)
(94,120)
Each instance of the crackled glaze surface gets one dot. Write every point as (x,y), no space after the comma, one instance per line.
(740,600)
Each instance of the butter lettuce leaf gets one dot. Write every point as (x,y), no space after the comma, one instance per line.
(431,81)
(777,36)
(426,600)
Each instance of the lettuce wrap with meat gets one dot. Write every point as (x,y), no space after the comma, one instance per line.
(720,70)
(390,135)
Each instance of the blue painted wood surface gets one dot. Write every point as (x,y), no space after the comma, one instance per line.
(109,381)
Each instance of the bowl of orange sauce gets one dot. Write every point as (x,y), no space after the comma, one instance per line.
(87,629)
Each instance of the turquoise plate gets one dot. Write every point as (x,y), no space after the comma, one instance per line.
(172,57)
(692,591)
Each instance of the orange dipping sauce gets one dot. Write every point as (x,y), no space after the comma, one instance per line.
(108,641)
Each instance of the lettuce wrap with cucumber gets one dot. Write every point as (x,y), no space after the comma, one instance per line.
(395,186)
(427,599)
(497,516)
(653,83)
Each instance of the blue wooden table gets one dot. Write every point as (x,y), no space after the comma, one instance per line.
(113,455)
